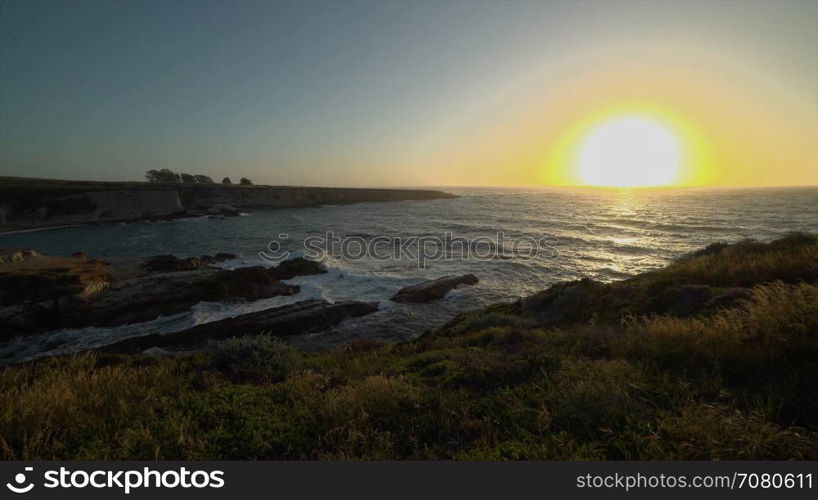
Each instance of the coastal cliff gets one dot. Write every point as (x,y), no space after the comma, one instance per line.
(194,196)
(33,203)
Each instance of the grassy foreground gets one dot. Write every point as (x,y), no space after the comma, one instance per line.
(712,357)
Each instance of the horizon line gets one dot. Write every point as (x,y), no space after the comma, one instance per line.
(442,186)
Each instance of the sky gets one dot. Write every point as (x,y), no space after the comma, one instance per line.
(404,93)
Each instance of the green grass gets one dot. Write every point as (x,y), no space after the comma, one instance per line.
(712,357)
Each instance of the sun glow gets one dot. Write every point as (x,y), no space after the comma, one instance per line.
(629,151)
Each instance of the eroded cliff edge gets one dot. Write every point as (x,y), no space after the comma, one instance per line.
(35,203)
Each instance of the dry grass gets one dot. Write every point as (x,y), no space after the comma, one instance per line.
(790,259)
(49,409)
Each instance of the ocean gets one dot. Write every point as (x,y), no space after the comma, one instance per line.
(516,241)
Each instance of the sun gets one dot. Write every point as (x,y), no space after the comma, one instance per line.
(629,151)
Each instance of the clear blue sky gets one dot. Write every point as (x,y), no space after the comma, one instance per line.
(336,93)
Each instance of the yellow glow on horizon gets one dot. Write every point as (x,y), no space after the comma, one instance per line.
(727,135)
(629,151)
(630,146)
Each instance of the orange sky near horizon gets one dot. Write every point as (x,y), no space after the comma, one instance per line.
(729,135)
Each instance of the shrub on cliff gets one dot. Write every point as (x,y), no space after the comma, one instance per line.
(256,359)
(162,176)
(169,176)
(747,263)
(203,179)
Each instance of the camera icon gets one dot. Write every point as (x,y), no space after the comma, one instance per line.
(275,254)
(19,479)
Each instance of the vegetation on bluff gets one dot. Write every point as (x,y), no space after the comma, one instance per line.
(713,357)
(167,176)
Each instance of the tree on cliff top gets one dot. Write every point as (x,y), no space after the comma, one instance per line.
(169,176)
(226,181)
(164,175)
(245,182)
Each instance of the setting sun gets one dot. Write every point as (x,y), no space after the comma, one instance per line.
(629,152)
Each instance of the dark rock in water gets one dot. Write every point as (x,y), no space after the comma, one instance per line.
(46,293)
(142,299)
(223,210)
(34,288)
(301,317)
(149,297)
(219,257)
(433,290)
(28,277)
(170,263)
(11,255)
(298,266)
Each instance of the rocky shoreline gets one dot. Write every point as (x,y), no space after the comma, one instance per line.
(302,317)
(40,294)
(434,289)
